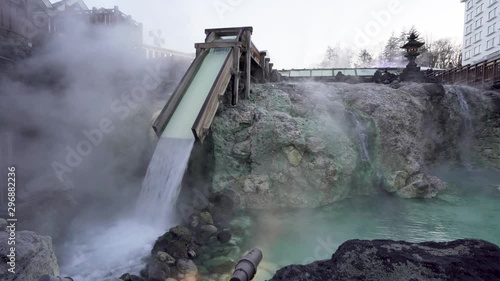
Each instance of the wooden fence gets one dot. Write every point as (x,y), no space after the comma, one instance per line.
(486,73)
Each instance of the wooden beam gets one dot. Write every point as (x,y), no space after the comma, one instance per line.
(226,31)
(209,109)
(217,45)
(248,64)
(210,37)
(169,109)
(236,74)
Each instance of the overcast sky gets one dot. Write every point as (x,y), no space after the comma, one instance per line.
(295,32)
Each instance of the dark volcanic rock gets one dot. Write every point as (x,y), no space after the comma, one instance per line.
(224,236)
(128,277)
(387,260)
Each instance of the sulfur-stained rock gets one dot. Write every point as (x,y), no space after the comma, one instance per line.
(397,181)
(293,155)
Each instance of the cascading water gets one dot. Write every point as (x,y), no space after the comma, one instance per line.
(467,134)
(162,183)
(120,247)
(366,176)
(362,135)
(465,112)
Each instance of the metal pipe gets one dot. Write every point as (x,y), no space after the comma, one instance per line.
(247,266)
(53,278)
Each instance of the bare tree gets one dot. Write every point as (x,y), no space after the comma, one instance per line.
(337,57)
(330,55)
(365,59)
(442,53)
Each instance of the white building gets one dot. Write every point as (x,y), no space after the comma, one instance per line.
(481,31)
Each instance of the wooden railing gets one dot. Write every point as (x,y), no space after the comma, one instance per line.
(485,73)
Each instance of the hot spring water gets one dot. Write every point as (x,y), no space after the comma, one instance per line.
(468,208)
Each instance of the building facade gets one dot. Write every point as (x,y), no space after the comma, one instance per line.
(481,31)
(14,41)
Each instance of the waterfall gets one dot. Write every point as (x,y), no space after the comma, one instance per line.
(467,134)
(362,136)
(465,112)
(162,184)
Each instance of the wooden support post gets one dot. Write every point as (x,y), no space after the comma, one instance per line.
(248,63)
(236,74)
(466,76)
(266,68)
(262,66)
(495,72)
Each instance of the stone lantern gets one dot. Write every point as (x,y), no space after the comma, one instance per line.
(412,71)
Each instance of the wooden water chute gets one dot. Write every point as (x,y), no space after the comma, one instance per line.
(243,62)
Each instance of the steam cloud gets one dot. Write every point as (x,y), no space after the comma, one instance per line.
(79,114)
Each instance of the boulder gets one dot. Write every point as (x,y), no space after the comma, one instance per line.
(181,233)
(388,260)
(224,236)
(293,155)
(205,218)
(129,277)
(208,230)
(175,248)
(158,270)
(165,258)
(185,266)
(397,181)
(34,257)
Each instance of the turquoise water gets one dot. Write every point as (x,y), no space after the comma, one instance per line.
(186,112)
(469,208)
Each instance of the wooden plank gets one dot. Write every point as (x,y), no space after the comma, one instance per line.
(177,95)
(209,109)
(210,37)
(248,64)
(236,75)
(227,31)
(217,45)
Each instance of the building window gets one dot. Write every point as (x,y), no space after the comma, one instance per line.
(479,22)
(492,14)
(469,17)
(491,28)
(479,9)
(468,42)
(469,4)
(492,2)
(468,29)
(477,50)
(490,43)
(467,55)
(477,37)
